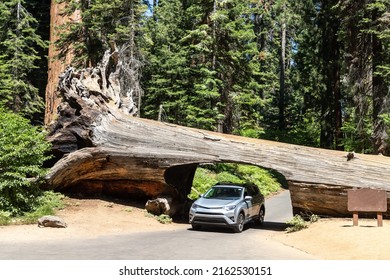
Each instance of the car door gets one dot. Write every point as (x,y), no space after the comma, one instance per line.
(248,203)
(256,200)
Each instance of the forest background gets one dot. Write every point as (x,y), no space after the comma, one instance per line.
(307,72)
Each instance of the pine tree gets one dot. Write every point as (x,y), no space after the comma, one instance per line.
(40,9)
(202,63)
(99,24)
(380,24)
(331,121)
(365,30)
(268,58)
(166,74)
(19,42)
(239,77)
(287,42)
(357,84)
(223,52)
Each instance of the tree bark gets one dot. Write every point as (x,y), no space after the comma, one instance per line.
(55,66)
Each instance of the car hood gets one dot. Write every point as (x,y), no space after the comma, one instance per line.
(215,203)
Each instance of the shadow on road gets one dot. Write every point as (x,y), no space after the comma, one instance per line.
(270,226)
(273,226)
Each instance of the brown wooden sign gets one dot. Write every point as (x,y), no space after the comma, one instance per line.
(367,200)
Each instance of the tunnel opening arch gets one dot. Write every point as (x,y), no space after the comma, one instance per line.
(181,177)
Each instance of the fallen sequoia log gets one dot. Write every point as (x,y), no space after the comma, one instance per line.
(102,149)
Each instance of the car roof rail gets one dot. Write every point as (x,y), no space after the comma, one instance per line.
(230,184)
(246,184)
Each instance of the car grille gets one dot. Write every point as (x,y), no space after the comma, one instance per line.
(216,220)
(203,207)
(207,213)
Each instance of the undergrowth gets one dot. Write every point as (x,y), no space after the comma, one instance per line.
(163,218)
(208,175)
(48,204)
(298,222)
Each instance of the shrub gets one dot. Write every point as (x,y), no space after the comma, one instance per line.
(226,177)
(164,219)
(298,223)
(252,132)
(262,178)
(5,218)
(203,180)
(47,203)
(23,150)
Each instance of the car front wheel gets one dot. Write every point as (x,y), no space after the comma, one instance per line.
(239,227)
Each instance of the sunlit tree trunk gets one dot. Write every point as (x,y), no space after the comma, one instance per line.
(55,66)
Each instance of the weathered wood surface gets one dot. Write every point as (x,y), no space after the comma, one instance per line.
(110,152)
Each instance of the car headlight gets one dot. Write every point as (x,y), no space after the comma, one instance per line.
(230,207)
(194,206)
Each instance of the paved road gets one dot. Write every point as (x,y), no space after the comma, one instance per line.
(181,244)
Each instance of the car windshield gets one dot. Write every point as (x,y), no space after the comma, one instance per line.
(228,193)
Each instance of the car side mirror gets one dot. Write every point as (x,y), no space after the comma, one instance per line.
(248,197)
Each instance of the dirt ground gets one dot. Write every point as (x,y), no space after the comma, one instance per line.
(337,239)
(329,239)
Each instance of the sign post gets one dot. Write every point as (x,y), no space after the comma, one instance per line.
(367,200)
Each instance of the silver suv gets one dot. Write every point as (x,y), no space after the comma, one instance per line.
(228,205)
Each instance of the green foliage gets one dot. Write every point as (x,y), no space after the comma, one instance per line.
(166,75)
(101,24)
(203,73)
(47,203)
(305,132)
(203,180)
(386,120)
(298,222)
(208,175)
(228,177)
(22,153)
(252,132)
(19,45)
(164,219)
(217,64)
(5,218)
(264,179)
(357,137)
(51,200)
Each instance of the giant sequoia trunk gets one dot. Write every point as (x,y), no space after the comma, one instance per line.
(55,65)
(102,149)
